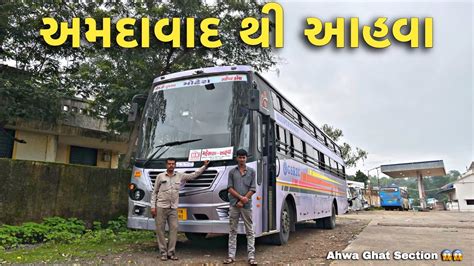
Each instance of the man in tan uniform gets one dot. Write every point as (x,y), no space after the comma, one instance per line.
(164,205)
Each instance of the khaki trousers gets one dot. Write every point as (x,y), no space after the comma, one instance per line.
(162,216)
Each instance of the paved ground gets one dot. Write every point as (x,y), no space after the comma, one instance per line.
(378,231)
(410,232)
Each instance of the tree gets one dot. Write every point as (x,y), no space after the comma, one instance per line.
(349,156)
(32,78)
(114,75)
(110,76)
(361,177)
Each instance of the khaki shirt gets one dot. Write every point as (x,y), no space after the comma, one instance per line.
(166,191)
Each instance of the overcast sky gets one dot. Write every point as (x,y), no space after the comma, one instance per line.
(399,104)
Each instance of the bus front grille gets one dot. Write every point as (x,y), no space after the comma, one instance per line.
(203,181)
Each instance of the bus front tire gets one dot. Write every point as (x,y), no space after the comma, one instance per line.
(281,238)
(195,236)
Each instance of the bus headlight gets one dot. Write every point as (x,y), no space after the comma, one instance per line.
(136,193)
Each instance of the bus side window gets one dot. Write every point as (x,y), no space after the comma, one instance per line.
(321,161)
(288,142)
(300,119)
(277,136)
(339,170)
(259,133)
(292,147)
(320,137)
(282,137)
(309,154)
(288,110)
(316,157)
(328,162)
(333,166)
(305,156)
(276,101)
(297,148)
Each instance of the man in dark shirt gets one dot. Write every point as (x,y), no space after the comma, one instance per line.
(241,187)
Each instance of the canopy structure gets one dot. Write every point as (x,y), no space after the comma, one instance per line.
(415,169)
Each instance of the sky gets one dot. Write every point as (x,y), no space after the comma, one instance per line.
(399,104)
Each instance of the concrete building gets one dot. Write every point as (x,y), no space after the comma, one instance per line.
(461,192)
(76,139)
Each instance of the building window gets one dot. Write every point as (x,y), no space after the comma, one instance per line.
(470,201)
(84,156)
(6,143)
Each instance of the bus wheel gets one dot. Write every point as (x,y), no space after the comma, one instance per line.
(286,219)
(195,236)
(330,222)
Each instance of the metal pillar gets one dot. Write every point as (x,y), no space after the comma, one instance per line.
(421,191)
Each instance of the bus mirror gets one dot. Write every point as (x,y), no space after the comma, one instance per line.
(254,99)
(138,99)
(132,115)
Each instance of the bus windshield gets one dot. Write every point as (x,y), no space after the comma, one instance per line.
(213,111)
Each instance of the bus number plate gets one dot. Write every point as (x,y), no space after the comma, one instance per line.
(182,214)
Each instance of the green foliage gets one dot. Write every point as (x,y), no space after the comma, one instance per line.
(96,225)
(334,133)
(361,177)
(72,225)
(118,225)
(113,75)
(349,156)
(32,75)
(89,246)
(99,236)
(60,230)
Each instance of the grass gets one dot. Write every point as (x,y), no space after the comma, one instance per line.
(79,250)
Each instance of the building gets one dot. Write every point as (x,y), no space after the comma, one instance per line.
(461,192)
(77,139)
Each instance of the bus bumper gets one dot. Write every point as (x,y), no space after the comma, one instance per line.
(193,226)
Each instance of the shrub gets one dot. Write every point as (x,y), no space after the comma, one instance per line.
(96,225)
(118,225)
(60,230)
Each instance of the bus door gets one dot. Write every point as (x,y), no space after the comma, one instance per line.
(268,141)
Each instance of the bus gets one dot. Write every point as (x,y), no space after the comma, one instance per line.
(214,112)
(355,196)
(394,197)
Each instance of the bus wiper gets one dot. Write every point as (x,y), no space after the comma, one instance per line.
(167,145)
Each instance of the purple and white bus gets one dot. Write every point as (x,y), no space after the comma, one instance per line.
(202,112)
